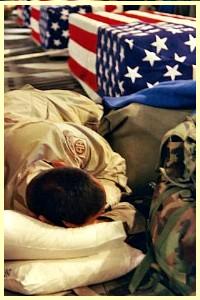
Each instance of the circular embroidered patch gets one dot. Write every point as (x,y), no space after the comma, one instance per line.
(79,147)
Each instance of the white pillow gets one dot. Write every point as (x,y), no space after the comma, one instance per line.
(28,238)
(51,276)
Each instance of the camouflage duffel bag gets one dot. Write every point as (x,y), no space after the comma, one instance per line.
(169,267)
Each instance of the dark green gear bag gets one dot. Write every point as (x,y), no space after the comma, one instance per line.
(169,267)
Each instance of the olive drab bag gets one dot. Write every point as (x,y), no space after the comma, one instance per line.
(169,267)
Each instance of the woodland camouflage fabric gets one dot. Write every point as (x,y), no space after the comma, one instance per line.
(172,218)
(172,224)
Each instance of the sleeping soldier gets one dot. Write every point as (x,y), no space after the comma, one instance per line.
(57,168)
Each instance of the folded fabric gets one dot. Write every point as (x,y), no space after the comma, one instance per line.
(178,94)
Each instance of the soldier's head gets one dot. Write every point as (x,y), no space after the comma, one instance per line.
(65,196)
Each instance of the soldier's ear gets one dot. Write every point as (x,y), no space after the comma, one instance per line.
(43,219)
(70,225)
(40,217)
(58,164)
(32,214)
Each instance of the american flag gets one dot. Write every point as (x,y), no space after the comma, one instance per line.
(53,24)
(34,24)
(23,13)
(50,23)
(20,20)
(118,54)
(26,15)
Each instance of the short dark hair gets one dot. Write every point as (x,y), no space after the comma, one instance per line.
(65,194)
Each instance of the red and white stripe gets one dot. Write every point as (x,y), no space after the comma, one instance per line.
(163,17)
(34,24)
(176,16)
(83,40)
(108,8)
